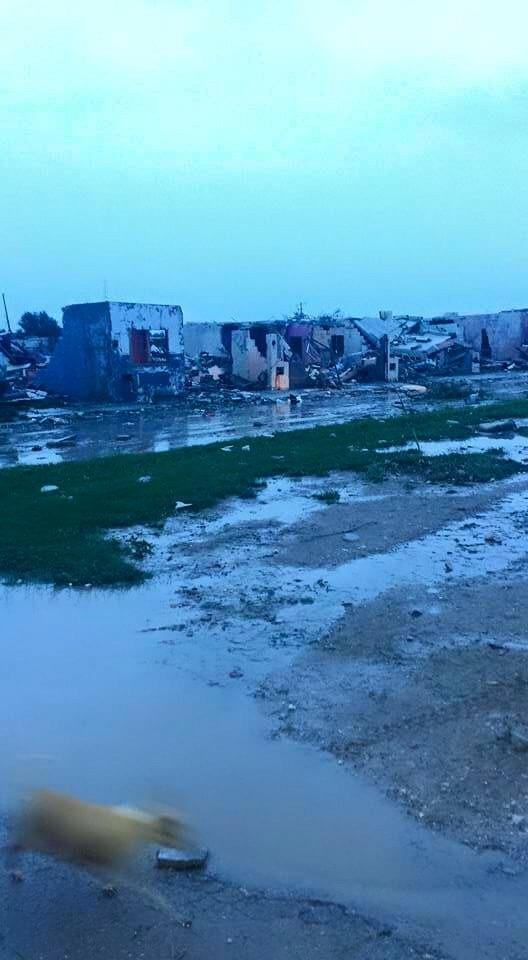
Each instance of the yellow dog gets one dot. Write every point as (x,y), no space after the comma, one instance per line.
(89,833)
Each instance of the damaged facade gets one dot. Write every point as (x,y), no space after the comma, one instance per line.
(118,351)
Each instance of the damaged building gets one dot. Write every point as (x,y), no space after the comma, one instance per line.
(275,355)
(496,336)
(118,351)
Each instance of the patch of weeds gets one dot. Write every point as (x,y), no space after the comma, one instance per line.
(449,390)
(455,468)
(139,548)
(377,471)
(328,496)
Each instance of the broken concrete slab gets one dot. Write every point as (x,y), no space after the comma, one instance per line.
(175,859)
(68,441)
(498,426)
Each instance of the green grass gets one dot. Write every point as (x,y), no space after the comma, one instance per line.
(59,537)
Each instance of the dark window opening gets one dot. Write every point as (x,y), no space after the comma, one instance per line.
(226,335)
(296,346)
(485,346)
(279,371)
(337,344)
(392,365)
(258,335)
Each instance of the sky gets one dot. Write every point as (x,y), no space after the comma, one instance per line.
(238,156)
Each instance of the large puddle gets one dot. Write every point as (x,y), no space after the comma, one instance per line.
(100,430)
(126,697)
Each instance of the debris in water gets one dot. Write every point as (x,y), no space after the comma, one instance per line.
(236,673)
(48,488)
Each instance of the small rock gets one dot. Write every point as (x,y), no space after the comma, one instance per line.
(16,876)
(145,479)
(179,505)
(246,447)
(448,568)
(175,859)
(416,613)
(109,890)
(518,820)
(48,488)
(518,737)
(236,673)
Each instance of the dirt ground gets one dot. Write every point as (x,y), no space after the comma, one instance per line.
(197,917)
(416,690)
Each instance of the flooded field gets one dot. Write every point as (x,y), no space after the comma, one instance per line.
(158,694)
(100,430)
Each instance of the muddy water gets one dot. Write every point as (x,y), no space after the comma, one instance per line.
(87,705)
(106,429)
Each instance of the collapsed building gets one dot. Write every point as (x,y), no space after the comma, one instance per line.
(21,360)
(275,355)
(118,351)
(498,337)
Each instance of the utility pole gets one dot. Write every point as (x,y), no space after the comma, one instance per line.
(6,313)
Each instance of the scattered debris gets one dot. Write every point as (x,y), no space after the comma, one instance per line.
(68,441)
(499,426)
(236,673)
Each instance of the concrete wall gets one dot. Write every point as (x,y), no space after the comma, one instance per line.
(248,362)
(82,365)
(203,338)
(324,334)
(146,316)
(87,366)
(506,331)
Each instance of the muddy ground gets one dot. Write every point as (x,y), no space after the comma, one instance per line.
(348,675)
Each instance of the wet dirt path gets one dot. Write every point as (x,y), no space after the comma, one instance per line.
(147,695)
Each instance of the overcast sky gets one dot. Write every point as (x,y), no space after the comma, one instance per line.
(235,157)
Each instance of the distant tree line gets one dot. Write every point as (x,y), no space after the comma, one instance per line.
(39,324)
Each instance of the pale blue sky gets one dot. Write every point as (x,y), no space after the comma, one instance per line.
(237,156)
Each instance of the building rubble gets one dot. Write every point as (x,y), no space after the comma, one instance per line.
(118,351)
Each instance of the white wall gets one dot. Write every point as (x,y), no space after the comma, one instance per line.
(248,362)
(203,337)
(146,316)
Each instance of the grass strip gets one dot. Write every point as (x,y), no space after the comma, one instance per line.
(59,537)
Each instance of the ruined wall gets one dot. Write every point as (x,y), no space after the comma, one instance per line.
(506,331)
(203,338)
(146,316)
(82,364)
(352,339)
(92,358)
(248,362)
